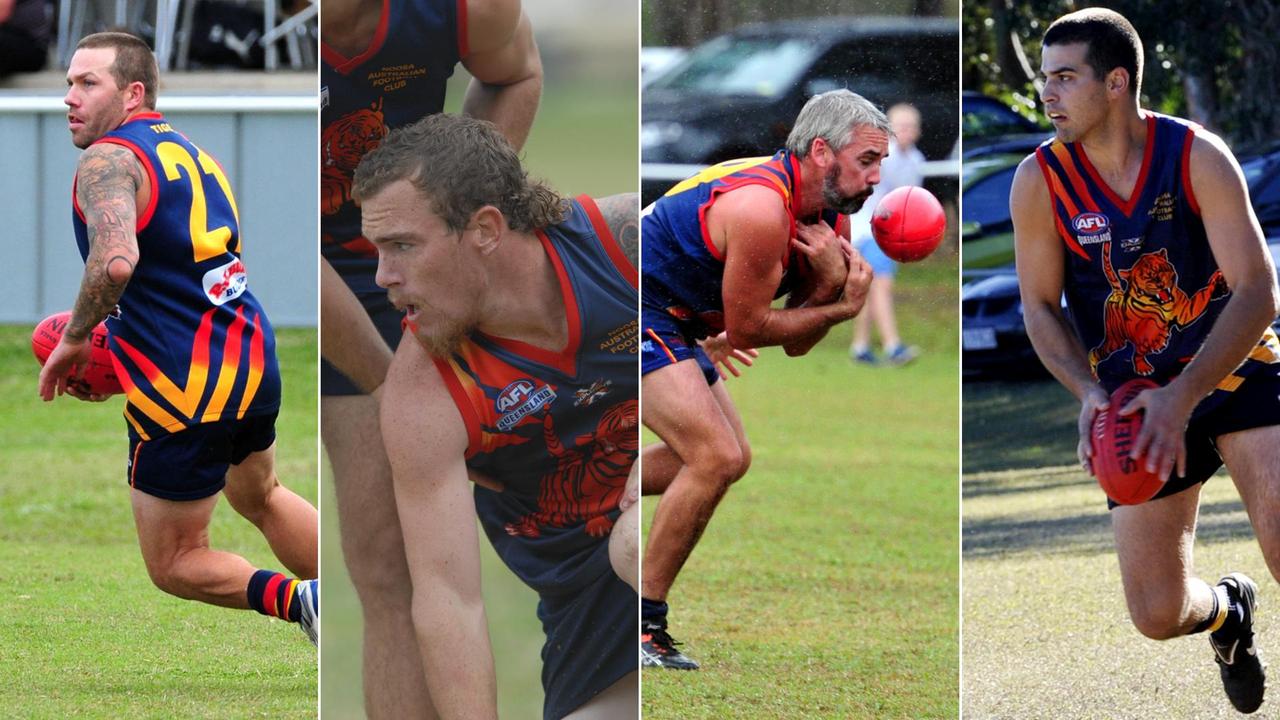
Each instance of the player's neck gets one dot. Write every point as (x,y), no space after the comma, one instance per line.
(1119,143)
(348,26)
(810,196)
(524,301)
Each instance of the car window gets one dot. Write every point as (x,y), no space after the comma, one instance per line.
(986,201)
(889,69)
(740,66)
(868,68)
(983,117)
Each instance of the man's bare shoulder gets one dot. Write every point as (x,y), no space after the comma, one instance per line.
(108,164)
(416,403)
(1210,158)
(752,206)
(491,24)
(622,215)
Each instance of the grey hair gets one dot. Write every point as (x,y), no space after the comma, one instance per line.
(833,116)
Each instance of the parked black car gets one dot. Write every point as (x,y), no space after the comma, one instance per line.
(989,127)
(737,95)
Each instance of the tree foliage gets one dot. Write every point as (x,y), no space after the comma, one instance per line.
(1213,62)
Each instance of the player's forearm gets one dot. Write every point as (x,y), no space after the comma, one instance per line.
(349,340)
(1058,347)
(787,325)
(510,107)
(100,290)
(453,638)
(822,294)
(1246,316)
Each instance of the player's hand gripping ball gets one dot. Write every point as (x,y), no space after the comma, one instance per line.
(100,378)
(1125,480)
(908,224)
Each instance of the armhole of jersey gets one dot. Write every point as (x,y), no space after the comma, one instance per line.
(144,218)
(610,243)
(464,43)
(1186,171)
(462,402)
(715,195)
(1063,235)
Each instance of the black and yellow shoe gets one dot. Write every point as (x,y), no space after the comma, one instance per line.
(1243,674)
(657,649)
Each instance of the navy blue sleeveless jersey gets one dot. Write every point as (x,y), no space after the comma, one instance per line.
(398,79)
(683,270)
(1142,286)
(559,429)
(189,342)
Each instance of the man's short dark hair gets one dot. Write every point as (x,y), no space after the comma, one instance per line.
(1111,39)
(134,61)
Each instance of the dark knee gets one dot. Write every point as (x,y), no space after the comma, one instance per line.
(1158,619)
(722,463)
(376,562)
(745,464)
(165,576)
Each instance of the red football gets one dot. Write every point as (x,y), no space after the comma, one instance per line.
(908,224)
(100,378)
(1125,480)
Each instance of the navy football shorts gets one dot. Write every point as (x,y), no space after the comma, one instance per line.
(592,636)
(385,317)
(1256,403)
(192,464)
(663,342)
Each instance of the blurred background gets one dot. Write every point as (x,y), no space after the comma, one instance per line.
(1032,517)
(215,87)
(725,80)
(851,497)
(583,141)
(67,541)
(1208,62)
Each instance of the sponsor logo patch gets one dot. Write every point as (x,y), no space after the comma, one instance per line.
(226,282)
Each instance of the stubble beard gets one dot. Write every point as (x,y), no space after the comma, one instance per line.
(833,199)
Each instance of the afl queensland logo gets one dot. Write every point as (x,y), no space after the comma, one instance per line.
(518,400)
(1092,228)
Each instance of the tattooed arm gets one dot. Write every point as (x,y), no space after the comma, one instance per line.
(622,215)
(108,181)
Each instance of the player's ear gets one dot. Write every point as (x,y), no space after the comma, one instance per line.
(821,152)
(486,228)
(1118,81)
(135,96)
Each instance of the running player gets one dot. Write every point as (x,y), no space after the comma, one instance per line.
(1144,221)
(384,65)
(519,365)
(718,248)
(158,230)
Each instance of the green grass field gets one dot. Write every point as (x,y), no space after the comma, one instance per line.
(826,583)
(83,633)
(583,141)
(1046,631)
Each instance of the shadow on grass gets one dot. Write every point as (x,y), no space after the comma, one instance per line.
(1010,425)
(1085,533)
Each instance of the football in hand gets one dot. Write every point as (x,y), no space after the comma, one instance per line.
(1125,480)
(100,378)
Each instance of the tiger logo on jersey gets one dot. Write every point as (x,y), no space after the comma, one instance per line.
(588,480)
(344,143)
(1145,305)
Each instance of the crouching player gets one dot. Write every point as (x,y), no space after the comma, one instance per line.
(519,366)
